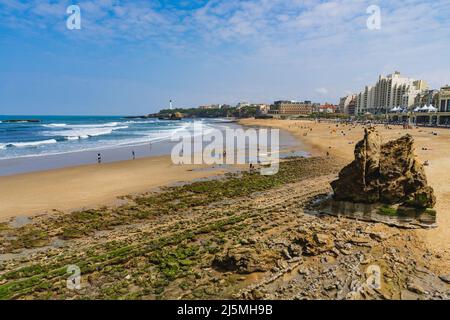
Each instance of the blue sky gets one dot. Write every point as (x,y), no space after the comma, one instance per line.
(131,57)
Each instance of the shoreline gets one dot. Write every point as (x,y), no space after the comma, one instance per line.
(91,185)
(120,151)
(88,186)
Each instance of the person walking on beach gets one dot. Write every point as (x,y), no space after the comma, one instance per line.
(133,155)
(99,158)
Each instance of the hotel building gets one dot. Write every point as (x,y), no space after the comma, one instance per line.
(444,99)
(390,91)
(345,102)
(291,108)
(426,98)
(435,113)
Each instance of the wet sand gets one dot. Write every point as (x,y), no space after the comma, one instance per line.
(94,185)
(89,185)
(326,137)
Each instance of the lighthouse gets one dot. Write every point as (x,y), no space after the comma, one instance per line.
(170,104)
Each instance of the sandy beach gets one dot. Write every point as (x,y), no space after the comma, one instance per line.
(87,186)
(245,236)
(325,137)
(94,185)
(79,183)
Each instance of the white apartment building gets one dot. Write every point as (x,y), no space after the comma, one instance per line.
(389,92)
(345,102)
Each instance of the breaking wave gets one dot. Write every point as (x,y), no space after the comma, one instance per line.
(55,125)
(88,132)
(28,144)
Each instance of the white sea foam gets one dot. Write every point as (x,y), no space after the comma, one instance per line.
(100,125)
(75,132)
(30,144)
(141,121)
(55,125)
(84,133)
(76,137)
(80,126)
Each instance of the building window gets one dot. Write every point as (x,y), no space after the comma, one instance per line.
(442,105)
(448,105)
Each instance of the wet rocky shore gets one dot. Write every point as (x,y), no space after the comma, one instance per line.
(242,236)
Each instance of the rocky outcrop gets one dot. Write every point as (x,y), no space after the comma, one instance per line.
(313,244)
(243,261)
(384,173)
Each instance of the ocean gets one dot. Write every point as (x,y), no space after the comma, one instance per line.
(64,134)
(65,141)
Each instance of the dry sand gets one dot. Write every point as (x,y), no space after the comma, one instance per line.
(326,135)
(74,188)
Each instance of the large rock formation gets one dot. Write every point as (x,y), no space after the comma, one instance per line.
(387,173)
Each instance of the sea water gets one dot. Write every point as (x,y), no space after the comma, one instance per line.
(63,134)
(65,141)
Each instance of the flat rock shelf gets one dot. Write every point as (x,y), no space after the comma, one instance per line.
(398,216)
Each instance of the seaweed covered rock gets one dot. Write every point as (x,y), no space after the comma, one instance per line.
(384,173)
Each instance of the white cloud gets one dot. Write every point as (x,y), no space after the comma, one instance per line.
(310,44)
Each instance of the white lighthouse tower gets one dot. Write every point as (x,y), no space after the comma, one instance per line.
(170,104)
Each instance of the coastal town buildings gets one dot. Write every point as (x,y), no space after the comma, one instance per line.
(426,98)
(351,108)
(400,99)
(389,92)
(431,108)
(210,106)
(262,108)
(242,105)
(292,108)
(327,108)
(444,99)
(344,103)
